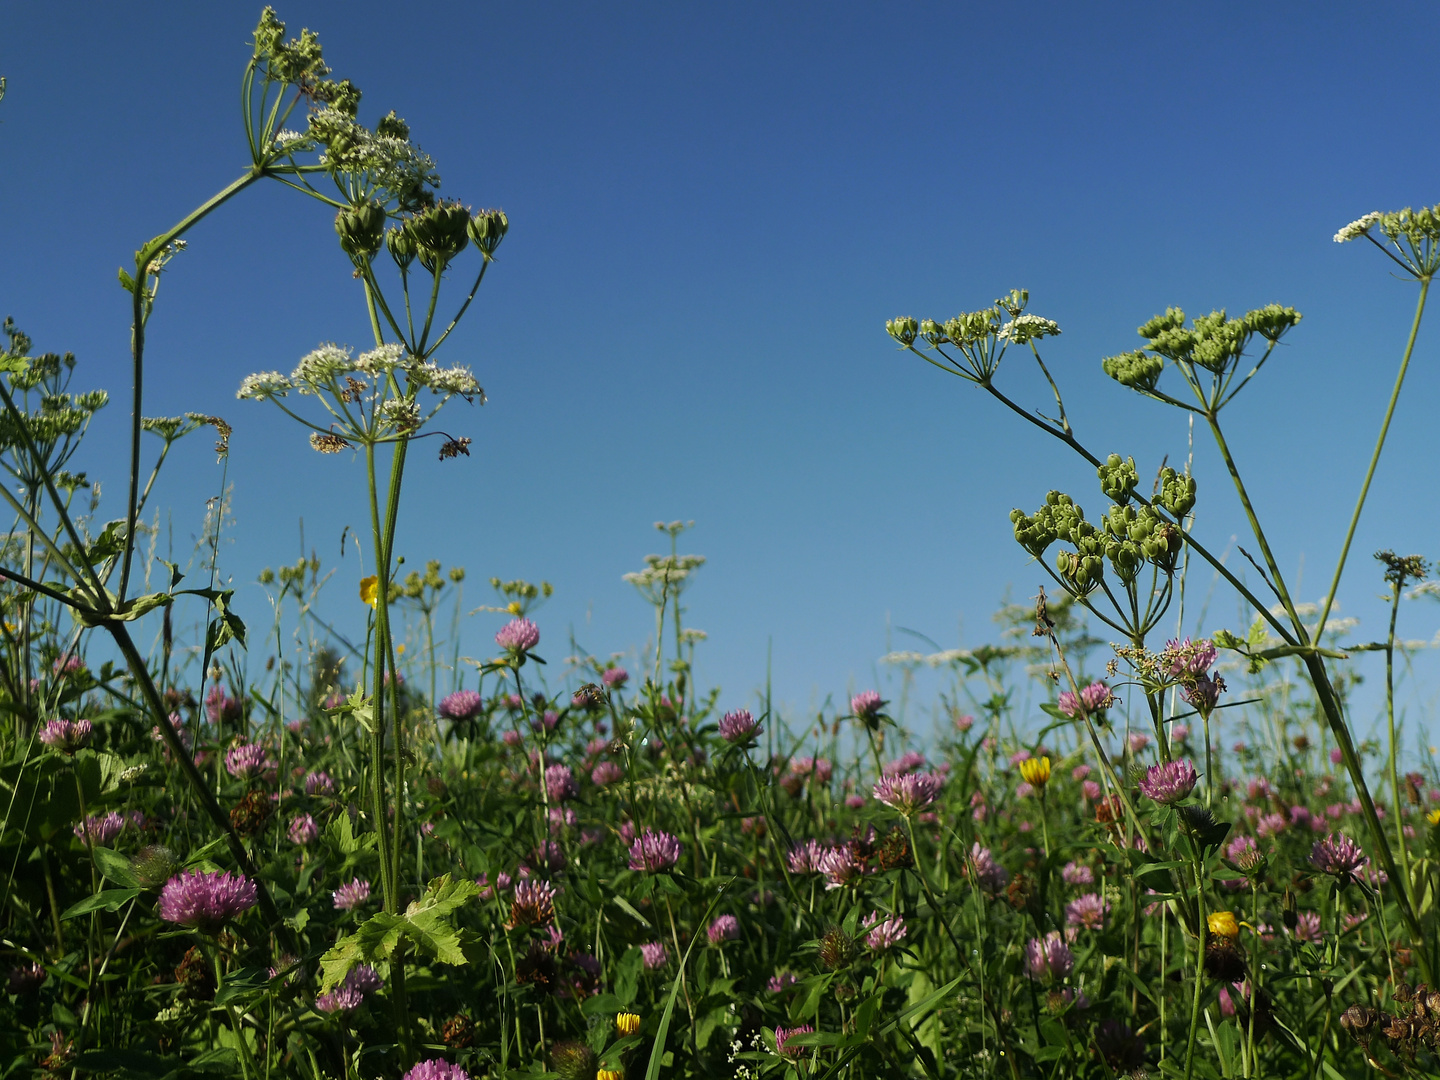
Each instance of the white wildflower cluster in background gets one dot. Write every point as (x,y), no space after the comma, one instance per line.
(1359,227)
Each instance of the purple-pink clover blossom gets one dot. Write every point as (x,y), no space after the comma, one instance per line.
(1049,958)
(436,1069)
(518,635)
(248,761)
(739,727)
(724,928)
(867,704)
(1338,855)
(883,932)
(653,852)
(351,895)
(909,793)
(462,705)
(1169,782)
(1096,698)
(206,900)
(66,736)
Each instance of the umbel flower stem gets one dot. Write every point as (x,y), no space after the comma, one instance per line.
(206,797)
(140,300)
(1374,457)
(1394,748)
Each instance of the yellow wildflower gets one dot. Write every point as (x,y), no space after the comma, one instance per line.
(609,1074)
(1036,771)
(1433,817)
(514,607)
(369,588)
(1223,924)
(627,1023)
(400,649)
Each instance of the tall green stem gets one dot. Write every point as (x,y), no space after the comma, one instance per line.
(1255,527)
(139,315)
(1390,718)
(1201,930)
(377,701)
(1375,457)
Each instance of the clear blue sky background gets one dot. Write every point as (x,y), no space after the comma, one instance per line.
(714,209)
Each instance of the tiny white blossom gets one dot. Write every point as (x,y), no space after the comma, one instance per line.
(402,415)
(381,359)
(133,773)
(1357,228)
(1025,328)
(262,385)
(286,138)
(319,367)
(451,380)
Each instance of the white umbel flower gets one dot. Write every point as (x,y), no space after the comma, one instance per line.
(451,380)
(1358,228)
(402,415)
(381,359)
(262,385)
(320,367)
(1025,328)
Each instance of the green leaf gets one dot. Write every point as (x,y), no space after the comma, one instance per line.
(126,281)
(104,900)
(204,853)
(374,940)
(142,605)
(129,1063)
(342,834)
(602,1005)
(116,867)
(629,909)
(241,984)
(657,1050)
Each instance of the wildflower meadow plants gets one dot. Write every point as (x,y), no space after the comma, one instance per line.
(384,859)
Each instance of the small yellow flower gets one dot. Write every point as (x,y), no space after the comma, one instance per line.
(609,1074)
(1223,924)
(1036,771)
(369,588)
(627,1024)
(513,607)
(1433,817)
(400,649)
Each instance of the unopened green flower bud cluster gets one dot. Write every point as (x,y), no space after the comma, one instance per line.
(1131,534)
(1212,343)
(434,235)
(53,415)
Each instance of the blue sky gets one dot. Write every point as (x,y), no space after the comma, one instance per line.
(714,209)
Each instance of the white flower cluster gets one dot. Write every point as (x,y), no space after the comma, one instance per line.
(262,385)
(1025,328)
(394,164)
(319,368)
(935,660)
(400,414)
(1358,228)
(290,140)
(381,359)
(451,380)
